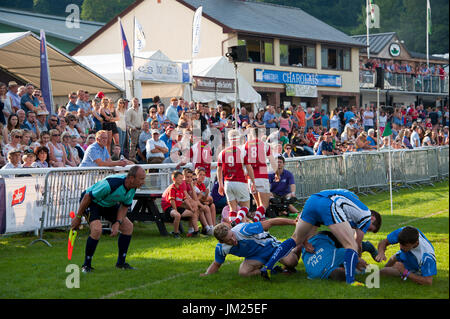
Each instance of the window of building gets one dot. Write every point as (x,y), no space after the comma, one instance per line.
(296,54)
(336,58)
(258,51)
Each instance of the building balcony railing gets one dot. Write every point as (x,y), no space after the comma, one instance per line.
(405,82)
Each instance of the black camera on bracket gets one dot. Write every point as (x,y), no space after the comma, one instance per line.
(237,53)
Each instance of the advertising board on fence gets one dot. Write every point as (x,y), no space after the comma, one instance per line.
(21,204)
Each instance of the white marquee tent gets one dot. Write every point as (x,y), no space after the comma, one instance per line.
(220,67)
(20,60)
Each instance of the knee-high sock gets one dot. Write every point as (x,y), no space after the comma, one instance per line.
(123,243)
(282,251)
(350,262)
(91,245)
(241,214)
(259,214)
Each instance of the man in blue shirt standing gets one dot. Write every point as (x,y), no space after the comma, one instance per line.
(171,112)
(282,183)
(269,118)
(109,198)
(348,115)
(416,259)
(72,104)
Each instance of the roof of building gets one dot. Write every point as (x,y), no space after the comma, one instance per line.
(377,41)
(53,25)
(271,20)
(256,18)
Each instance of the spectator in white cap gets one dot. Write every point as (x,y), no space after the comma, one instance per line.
(156,149)
(14,157)
(42,120)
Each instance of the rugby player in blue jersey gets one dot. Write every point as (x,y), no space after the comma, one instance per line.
(327,260)
(109,198)
(251,241)
(416,259)
(343,213)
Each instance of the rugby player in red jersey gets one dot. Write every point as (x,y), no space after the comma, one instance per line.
(231,165)
(257,153)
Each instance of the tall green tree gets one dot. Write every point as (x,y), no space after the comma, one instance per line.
(53,7)
(101,10)
(17,4)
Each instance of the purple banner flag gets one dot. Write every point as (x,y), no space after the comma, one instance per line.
(46,86)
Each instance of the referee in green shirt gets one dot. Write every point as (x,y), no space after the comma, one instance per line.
(109,198)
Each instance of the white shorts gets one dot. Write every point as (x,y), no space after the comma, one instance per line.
(236,191)
(262,185)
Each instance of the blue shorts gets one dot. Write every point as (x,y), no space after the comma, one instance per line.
(263,256)
(317,211)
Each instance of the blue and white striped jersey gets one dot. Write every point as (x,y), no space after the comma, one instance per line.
(346,206)
(253,243)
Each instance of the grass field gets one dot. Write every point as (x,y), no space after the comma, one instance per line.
(170,268)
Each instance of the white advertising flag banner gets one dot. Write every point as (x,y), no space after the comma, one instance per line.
(196,26)
(139,36)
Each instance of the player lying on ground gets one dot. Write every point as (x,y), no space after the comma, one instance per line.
(416,259)
(327,261)
(341,211)
(109,198)
(251,241)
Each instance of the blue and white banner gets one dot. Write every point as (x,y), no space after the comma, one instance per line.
(161,71)
(46,85)
(196,27)
(286,77)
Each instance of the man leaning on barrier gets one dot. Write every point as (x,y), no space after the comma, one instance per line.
(109,198)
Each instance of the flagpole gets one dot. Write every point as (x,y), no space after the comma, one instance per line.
(390,174)
(367,29)
(378,120)
(134,55)
(123,58)
(428,22)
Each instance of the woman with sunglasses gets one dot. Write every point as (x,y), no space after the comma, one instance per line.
(71,121)
(16,136)
(58,156)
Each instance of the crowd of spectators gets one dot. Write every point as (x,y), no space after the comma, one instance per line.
(405,67)
(104,132)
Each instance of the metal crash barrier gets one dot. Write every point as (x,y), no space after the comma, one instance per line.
(51,194)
